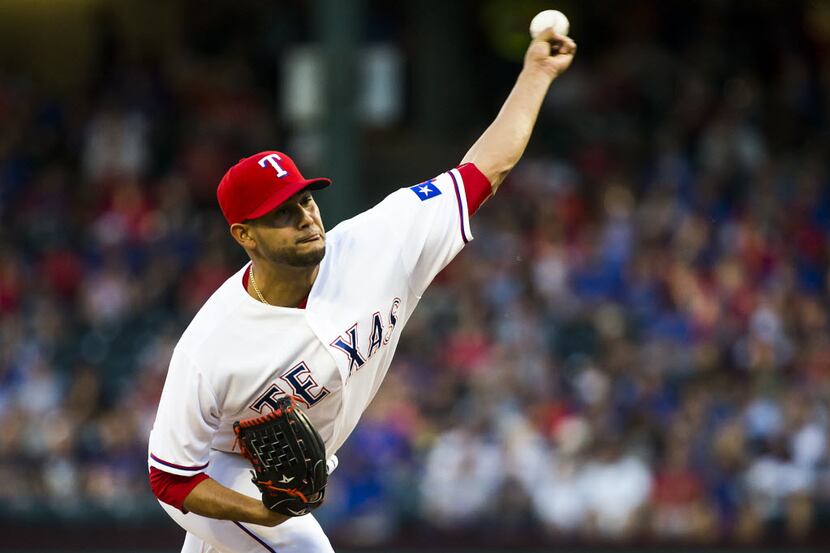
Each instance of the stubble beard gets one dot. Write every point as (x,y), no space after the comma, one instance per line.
(294,258)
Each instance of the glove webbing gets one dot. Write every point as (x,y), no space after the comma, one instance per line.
(272,449)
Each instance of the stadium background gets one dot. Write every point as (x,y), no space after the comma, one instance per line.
(634,350)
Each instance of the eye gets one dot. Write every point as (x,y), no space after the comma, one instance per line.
(306,199)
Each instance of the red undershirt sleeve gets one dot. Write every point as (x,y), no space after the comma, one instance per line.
(476,186)
(172,488)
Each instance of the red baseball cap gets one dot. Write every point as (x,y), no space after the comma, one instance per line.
(260,183)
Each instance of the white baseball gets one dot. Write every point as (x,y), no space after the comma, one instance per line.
(549,19)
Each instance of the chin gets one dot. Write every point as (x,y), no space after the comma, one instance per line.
(310,258)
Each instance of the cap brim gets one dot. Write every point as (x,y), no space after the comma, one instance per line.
(284,193)
(317,184)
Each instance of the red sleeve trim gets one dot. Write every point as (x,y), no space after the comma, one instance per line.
(476,186)
(172,488)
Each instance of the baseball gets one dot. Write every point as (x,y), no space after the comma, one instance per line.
(553,19)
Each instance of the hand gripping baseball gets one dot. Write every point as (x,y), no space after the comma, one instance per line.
(288,456)
(550,53)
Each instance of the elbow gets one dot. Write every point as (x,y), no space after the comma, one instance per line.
(496,170)
(172,488)
(499,176)
(496,173)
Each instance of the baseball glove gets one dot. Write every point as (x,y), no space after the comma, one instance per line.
(288,456)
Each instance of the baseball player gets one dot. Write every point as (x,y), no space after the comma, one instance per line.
(316,316)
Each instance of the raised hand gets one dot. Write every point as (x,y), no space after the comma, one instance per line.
(550,53)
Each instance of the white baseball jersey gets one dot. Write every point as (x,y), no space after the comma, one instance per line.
(238,354)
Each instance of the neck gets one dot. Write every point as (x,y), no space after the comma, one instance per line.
(282,285)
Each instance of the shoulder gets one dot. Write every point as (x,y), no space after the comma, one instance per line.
(391,220)
(372,224)
(216,313)
(397,207)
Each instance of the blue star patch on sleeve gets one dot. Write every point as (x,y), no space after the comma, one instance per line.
(426,190)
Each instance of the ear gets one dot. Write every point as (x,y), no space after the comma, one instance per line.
(243,235)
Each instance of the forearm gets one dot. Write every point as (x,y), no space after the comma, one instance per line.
(213,500)
(501,146)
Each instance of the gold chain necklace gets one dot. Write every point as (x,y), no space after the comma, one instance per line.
(256,288)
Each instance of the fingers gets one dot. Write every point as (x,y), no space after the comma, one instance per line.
(560,44)
(567,46)
(547,35)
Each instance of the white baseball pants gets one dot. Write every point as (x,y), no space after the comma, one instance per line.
(206,535)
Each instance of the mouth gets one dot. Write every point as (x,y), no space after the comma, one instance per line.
(311,238)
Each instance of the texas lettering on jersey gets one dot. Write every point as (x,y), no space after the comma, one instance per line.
(299,380)
(348,342)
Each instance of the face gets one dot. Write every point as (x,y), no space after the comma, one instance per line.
(291,234)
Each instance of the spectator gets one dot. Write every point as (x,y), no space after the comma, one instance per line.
(637,344)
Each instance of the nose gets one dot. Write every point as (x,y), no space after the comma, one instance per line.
(306,217)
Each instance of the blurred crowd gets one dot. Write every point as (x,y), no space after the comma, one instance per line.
(635,346)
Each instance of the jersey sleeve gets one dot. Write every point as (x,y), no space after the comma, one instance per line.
(173,489)
(431,221)
(187,418)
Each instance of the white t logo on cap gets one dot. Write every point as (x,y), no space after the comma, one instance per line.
(271,159)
